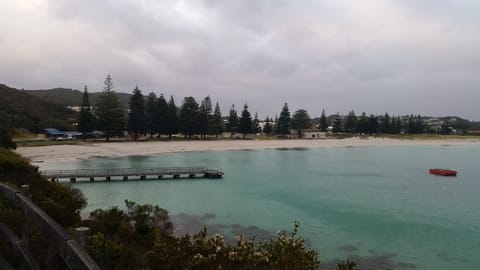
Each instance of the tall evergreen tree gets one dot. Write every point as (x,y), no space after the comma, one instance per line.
(323,121)
(256,125)
(172,118)
(275,128)
(283,125)
(362,126)
(85,117)
(415,124)
(136,116)
(300,121)
(151,114)
(351,122)
(419,126)
(337,123)
(217,123)
(189,114)
(267,128)
(205,116)
(396,125)
(372,124)
(161,116)
(232,121)
(111,115)
(385,125)
(246,125)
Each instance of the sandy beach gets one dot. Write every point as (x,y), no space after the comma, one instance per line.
(117,149)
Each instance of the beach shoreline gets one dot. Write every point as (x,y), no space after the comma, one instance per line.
(54,153)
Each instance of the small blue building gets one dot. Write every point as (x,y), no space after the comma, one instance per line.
(53,133)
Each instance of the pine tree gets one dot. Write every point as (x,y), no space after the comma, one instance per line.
(217,121)
(267,128)
(111,115)
(362,126)
(232,122)
(372,124)
(275,128)
(246,125)
(161,116)
(136,116)
(419,126)
(256,125)
(337,123)
(385,126)
(415,125)
(172,118)
(85,117)
(399,125)
(351,122)
(151,114)
(323,122)
(394,126)
(300,121)
(283,125)
(189,115)
(205,116)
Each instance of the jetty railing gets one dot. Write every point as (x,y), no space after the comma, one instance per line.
(126,172)
(70,253)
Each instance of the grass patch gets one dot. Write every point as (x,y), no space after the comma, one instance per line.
(46,143)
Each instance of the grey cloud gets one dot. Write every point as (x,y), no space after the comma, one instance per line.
(372,56)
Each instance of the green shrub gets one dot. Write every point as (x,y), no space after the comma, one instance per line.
(59,201)
(142,238)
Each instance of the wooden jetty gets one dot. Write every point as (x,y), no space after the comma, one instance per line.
(126,173)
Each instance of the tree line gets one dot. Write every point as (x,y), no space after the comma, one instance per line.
(150,115)
(377,124)
(155,116)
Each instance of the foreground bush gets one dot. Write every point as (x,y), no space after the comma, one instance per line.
(142,238)
(60,202)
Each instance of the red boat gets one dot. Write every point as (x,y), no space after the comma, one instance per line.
(443,172)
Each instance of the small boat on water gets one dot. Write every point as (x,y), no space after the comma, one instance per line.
(443,172)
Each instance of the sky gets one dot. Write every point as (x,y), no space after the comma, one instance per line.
(396,56)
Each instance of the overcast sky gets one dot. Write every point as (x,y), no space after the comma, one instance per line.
(404,56)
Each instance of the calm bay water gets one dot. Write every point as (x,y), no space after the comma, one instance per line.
(377,205)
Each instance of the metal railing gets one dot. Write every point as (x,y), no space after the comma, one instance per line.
(122,172)
(73,256)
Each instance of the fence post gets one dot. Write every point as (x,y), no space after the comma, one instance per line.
(81,235)
(25,190)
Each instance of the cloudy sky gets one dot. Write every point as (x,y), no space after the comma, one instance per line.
(400,56)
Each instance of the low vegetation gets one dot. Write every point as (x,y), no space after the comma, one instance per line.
(141,238)
(60,202)
(19,109)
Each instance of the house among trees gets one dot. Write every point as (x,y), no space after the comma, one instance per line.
(72,135)
(314,134)
(53,134)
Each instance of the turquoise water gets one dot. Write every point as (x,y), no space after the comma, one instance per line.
(377,205)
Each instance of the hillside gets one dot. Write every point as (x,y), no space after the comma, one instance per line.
(20,109)
(70,97)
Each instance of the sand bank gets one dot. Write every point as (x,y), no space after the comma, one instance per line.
(117,149)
